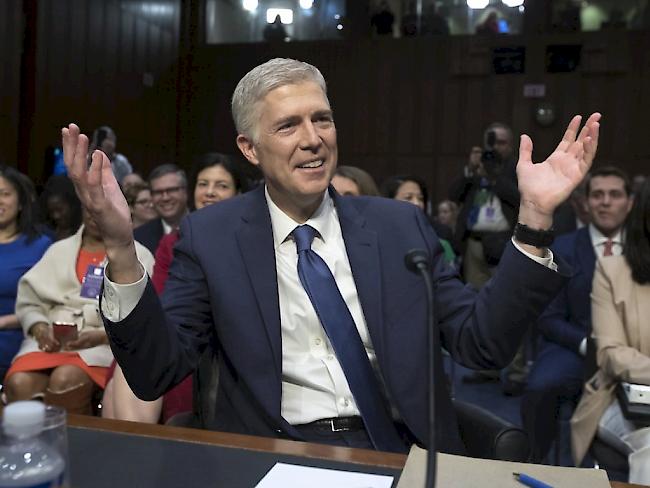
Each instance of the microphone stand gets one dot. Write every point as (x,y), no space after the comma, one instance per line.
(417,261)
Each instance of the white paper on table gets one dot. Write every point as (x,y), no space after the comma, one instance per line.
(289,475)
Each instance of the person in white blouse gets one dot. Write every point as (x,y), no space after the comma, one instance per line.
(237,291)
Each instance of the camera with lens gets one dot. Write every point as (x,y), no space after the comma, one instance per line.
(490,158)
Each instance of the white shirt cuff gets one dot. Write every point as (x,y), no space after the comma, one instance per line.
(545,261)
(120,300)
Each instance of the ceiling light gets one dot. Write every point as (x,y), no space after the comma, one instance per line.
(476,4)
(250,5)
(513,3)
(306,4)
(286,15)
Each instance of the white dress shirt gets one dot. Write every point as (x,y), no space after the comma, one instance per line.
(313,383)
(598,240)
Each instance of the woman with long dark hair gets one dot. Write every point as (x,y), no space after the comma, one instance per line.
(621,328)
(21,246)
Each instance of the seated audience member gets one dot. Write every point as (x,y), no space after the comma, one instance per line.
(131,179)
(138,196)
(410,188)
(21,246)
(620,310)
(64,287)
(215,177)
(558,372)
(447,214)
(572,214)
(350,180)
(105,140)
(60,206)
(250,273)
(168,185)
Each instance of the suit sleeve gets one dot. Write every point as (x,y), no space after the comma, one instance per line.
(615,356)
(555,326)
(483,330)
(169,339)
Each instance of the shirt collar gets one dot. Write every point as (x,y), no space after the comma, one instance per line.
(166,227)
(283,225)
(598,238)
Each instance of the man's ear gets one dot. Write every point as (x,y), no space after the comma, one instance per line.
(247,148)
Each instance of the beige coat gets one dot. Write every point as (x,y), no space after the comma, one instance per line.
(620,310)
(50,291)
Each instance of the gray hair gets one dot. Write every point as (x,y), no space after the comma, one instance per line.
(259,81)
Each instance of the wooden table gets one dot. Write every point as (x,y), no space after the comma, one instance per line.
(321,455)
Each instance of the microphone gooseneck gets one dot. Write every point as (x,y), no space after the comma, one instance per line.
(417,261)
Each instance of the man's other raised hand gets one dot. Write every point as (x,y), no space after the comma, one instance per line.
(544,186)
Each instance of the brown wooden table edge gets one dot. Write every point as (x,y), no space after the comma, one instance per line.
(239,441)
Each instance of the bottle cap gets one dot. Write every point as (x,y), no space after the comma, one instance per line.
(23,419)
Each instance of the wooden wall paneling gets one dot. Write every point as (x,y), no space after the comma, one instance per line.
(11,38)
(95,54)
(639,117)
(406,103)
(353,106)
(91,58)
(402,100)
(449,117)
(126,58)
(428,85)
(387,101)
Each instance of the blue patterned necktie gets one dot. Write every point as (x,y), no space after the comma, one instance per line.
(334,315)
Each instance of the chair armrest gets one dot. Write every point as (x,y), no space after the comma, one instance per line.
(490,437)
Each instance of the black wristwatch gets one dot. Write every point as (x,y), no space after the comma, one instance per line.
(534,237)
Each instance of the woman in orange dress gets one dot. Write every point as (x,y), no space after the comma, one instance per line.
(64,287)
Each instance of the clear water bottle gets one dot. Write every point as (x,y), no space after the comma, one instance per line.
(25,460)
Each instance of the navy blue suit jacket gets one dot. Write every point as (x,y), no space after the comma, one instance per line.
(567,320)
(149,234)
(222,291)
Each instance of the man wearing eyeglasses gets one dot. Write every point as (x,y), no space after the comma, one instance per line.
(169,194)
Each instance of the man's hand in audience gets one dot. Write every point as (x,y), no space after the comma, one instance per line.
(88,338)
(101,196)
(544,186)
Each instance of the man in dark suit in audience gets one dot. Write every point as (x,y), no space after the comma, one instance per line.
(169,194)
(558,373)
(302,296)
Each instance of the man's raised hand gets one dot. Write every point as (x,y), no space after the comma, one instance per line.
(544,186)
(102,197)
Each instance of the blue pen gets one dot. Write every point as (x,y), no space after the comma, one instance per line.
(524,479)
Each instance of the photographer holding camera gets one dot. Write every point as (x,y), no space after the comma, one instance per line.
(489,197)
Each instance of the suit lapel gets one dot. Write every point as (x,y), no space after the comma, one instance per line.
(255,239)
(363,252)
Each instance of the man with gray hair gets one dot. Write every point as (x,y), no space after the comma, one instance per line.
(301,296)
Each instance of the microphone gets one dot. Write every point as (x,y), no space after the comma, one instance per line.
(417,261)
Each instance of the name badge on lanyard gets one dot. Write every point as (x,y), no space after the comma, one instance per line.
(91,284)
